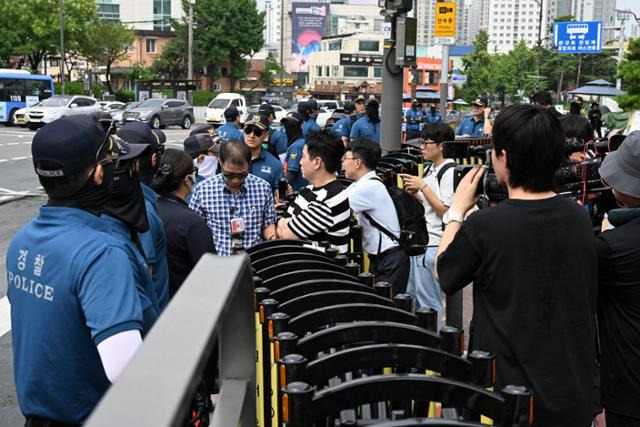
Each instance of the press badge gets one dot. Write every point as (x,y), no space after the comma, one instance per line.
(265,169)
(237,225)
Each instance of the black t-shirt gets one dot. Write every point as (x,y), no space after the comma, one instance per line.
(619,318)
(533,266)
(188,238)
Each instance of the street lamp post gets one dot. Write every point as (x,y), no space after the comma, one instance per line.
(190,42)
(62,47)
(622,16)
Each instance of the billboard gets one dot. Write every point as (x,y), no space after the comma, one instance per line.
(308,26)
(578,37)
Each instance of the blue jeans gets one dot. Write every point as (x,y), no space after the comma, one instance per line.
(422,285)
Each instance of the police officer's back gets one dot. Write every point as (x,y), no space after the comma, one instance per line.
(342,128)
(308,110)
(70,283)
(230,131)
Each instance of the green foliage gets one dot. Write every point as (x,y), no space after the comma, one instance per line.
(271,68)
(70,88)
(629,72)
(31,28)
(139,72)
(125,95)
(105,43)
(172,62)
(479,66)
(97,91)
(203,97)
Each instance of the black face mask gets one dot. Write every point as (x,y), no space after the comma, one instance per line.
(91,197)
(127,199)
(433,110)
(293,130)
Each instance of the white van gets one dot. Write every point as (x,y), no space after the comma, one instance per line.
(215,110)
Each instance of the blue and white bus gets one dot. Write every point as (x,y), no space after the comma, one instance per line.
(20,89)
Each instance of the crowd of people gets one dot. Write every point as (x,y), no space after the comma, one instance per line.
(127,219)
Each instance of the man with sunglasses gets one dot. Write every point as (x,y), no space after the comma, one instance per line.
(75,314)
(263,164)
(235,198)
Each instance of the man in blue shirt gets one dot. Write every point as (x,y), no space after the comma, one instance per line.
(342,128)
(368,126)
(414,118)
(154,241)
(292,170)
(361,106)
(306,108)
(478,124)
(230,131)
(276,144)
(433,115)
(263,164)
(236,196)
(75,314)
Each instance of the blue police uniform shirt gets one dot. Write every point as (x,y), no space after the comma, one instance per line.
(292,162)
(69,285)
(278,139)
(154,244)
(470,127)
(416,115)
(229,132)
(308,126)
(267,167)
(432,118)
(141,276)
(342,128)
(364,128)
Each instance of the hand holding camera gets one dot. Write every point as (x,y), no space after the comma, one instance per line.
(466,194)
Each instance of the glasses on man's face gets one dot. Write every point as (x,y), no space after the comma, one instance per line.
(257,132)
(234,175)
(344,158)
(428,141)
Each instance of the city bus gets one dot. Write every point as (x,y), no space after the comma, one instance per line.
(20,89)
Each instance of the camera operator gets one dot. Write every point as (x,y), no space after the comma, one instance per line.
(619,288)
(532,259)
(576,130)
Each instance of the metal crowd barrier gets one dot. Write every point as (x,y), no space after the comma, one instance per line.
(215,302)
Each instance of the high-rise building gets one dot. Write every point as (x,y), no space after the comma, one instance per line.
(478,19)
(511,21)
(596,10)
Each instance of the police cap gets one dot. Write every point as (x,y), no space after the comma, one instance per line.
(140,133)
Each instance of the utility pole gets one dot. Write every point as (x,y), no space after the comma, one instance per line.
(622,16)
(281,49)
(392,76)
(414,68)
(444,81)
(62,55)
(190,42)
(540,2)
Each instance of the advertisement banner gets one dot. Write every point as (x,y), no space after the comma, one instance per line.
(308,26)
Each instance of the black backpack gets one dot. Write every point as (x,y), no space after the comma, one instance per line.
(414,236)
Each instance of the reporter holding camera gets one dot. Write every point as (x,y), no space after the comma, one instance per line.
(532,260)
(619,288)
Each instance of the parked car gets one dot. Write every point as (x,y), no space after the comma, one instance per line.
(335,116)
(160,113)
(20,117)
(116,115)
(330,104)
(110,106)
(214,113)
(58,106)
(323,116)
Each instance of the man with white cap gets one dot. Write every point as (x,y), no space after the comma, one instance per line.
(619,287)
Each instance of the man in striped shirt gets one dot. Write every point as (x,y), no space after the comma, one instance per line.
(321,210)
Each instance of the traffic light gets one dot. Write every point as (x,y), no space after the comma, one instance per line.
(396,6)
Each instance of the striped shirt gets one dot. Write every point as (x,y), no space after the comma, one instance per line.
(322,213)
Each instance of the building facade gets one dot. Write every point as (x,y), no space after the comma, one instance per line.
(347,65)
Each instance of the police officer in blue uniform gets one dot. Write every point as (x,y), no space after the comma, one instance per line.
(478,124)
(433,115)
(361,106)
(292,170)
(307,110)
(263,164)
(414,117)
(368,126)
(276,144)
(126,214)
(230,131)
(154,241)
(342,128)
(75,314)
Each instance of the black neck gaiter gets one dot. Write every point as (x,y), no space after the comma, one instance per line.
(127,200)
(91,197)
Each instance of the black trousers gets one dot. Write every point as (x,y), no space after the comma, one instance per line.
(391,266)
(615,420)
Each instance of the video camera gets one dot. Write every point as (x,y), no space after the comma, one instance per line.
(470,153)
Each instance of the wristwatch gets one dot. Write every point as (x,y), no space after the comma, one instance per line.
(450,216)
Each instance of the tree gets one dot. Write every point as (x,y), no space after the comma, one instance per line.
(479,67)
(271,68)
(172,62)
(516,71)
(31,28)
(629,72)
(107,42)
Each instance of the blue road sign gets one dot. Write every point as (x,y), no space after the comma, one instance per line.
(578,37)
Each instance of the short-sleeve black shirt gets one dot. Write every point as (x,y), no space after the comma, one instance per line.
(619,318)
(533,267)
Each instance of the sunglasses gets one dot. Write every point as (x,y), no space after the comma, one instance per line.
(248,130)
(232,175)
